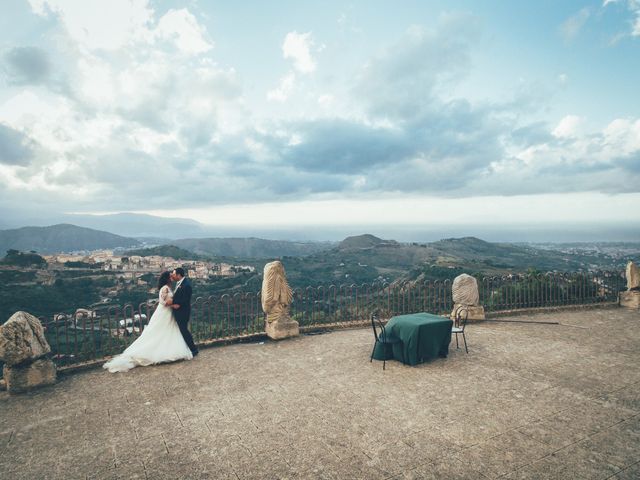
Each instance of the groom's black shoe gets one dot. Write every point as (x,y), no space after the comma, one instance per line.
(195,353)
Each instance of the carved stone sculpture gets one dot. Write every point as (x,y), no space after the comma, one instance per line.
(631,298)
(465,290)
(23,348)
(465,293)
(276,299)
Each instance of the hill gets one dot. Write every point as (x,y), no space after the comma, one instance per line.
(139,225)
(366,258)
(61,238)
(366,241)
(501,255)
(246,248)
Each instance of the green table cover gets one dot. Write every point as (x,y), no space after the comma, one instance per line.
(423,335)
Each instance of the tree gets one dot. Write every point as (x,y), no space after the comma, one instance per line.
(17,258)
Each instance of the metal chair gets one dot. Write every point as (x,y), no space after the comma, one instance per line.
(459,322)
(382,338)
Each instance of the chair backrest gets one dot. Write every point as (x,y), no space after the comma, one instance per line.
(460,317)
(376,324)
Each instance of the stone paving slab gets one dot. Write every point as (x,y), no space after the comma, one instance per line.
(529,401)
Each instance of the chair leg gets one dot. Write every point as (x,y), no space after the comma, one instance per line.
(384,364)
(372,351)
(465,342)
(457,346)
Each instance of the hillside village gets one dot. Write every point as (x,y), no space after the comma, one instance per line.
(135,266)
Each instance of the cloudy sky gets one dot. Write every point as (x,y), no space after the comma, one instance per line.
(330,113)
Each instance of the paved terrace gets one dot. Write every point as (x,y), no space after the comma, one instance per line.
(529,401)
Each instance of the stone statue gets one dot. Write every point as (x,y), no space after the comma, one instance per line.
(24,349)
(276,294)
(465,290)
(633,277)
(276,298)
(465,294)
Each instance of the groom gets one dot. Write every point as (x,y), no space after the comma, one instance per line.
(182,306)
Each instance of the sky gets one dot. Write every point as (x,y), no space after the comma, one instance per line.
(295,114)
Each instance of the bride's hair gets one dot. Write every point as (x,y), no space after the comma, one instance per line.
(164,279)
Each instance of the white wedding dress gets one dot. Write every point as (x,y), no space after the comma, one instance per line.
(161,341)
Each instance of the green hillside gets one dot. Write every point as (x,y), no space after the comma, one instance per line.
(250,248)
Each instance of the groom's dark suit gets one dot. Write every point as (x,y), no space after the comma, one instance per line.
(182,297)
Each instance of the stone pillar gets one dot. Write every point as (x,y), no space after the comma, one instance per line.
(282,329)
(24,349)
(465,294)
(631,298)
(276,299)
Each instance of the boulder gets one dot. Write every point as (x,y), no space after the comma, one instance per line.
(24,377)
(22,339)
(465,290)
(633,277)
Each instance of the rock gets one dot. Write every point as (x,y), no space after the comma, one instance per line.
(22,338)
(21,378)
(465,290)
(633,276)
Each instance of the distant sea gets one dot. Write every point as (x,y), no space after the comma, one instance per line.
(406,233)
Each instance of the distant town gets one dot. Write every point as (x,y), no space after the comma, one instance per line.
(136,266)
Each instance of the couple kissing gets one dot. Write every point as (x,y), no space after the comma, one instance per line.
(167,337)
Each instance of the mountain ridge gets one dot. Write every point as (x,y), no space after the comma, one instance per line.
(62,237)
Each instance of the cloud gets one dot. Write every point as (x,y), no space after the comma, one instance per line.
(403,79)
(284,88)
(326,100)
(567,127)
(145,103)
(574,24)
(183,29)
(152,121)
(27,65)
(531,134)
(633,6)
(95,24)
(343,147)
(298,46)
(109,26)
(15,147)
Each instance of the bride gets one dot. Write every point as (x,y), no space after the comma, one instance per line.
(161,341)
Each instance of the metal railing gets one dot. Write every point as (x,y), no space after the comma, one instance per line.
(96,334)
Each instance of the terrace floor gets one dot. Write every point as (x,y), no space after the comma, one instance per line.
(529,401)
